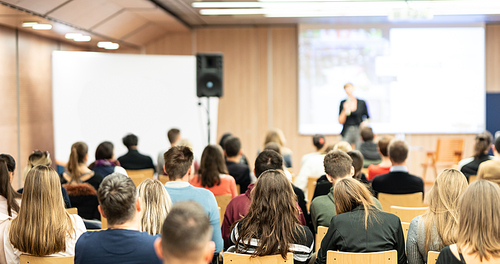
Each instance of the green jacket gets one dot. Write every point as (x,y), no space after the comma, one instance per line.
(323,209)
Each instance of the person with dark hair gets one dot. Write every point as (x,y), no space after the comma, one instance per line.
(173,136)
(357,163)
(359,226)
(213,174)
(222,140)
(369,148)
(319,142)
(9,198)
(122,242)
(179,168)
(490,170)
(185,236)
(105,162)
(338,165)
(398,180)
(271,225)
(384,166)
(238,206)
(239,171)
(352,112)
(482,145)
(134,160)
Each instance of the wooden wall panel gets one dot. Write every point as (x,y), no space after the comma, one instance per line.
(171,44)
(492,58)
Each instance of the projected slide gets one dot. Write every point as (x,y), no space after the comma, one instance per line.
(414,80)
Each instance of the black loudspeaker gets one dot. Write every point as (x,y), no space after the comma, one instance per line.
(209,75)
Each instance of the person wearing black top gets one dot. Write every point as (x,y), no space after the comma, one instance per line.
(134,160)
(239,171)
(352,112)
(482,145)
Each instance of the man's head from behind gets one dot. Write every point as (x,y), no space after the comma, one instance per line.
(338,165)
(232,147)
(366,134)
(268,160)
(117,199)
(186,235)
(178,161)
(173,135)
(383,146)
(130,140)
(398,151)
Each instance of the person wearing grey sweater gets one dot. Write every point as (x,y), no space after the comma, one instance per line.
(415,242)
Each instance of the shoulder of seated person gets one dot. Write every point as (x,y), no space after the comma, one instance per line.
(454,250)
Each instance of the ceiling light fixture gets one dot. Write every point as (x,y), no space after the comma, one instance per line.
(29,24)
(82,38)
(108,45)
(72,35)
(42,26)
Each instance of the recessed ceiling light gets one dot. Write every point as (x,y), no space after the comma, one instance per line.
(72,35)
(82,38)
(29,24)
(42,26)
(108,45)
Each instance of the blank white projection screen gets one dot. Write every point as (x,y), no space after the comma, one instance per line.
(102,97)
(414,79)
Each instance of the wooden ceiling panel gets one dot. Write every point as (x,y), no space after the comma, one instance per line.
(146,34)
(158,16)
(120,25)
(86,13)
(5,10)
(134,3)
(37,6)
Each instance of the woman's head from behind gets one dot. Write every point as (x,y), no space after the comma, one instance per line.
(37,158)
(479,219)
(349,193)
(6,176)
(275,135)
(212,165)
(77,156)
(482,143)
(155,205)
(105,151)
(11,164)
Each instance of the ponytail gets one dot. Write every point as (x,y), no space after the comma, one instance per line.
(6,189)
(73,165)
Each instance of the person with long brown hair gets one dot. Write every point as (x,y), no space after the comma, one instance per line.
(271,225)
(482,144)
(213,174)
(478,239)
(155,205)
(359,226)
(437,227)
(9,198)
(42,227)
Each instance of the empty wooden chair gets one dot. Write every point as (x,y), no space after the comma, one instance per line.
(406,200)
(234,258)
(406,227)
(73,210)
(27,259)
(384,257)
(320,234)
(222,202)
(448,153)
(432,257)
(406,214)
(140,175)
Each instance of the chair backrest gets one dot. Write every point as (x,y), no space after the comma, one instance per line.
(384,257)
(432,257)
(222,202)
(320,234)
(27,259)
(311,185)
(406,227)
(73,210)
(238,189)
(449,149)
(163,178)
(140,175)
(235,258)
(406,214)
(407,200)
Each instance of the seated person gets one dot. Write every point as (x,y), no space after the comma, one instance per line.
(155,205)
(222,141)
(122,242)
(276,135)
(105,162)
(383,167)
(398,180)
(482,145)
(368,148)
(319,142)
(338,165)
(173,136)
(134,160)
(271,225)
(9,198)
(359,226)
(239,171)
(186,236)
(490,170)
(179,167)
(313,167)
(212,174)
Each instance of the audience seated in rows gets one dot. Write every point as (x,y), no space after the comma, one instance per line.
(42,227)
(276,135)
(42,158)
(490,170)
(213,174)
(238,206)
(482,145)
(155,205)
(319,142)
(478,226)
(186,236)
(105,162)
(222,141)
(385,165)
(134,160)
(81,183)
(122,242)
(437,227)
(368,148)
(271,225)
(338,165)
(398,180)
(359,226)
(239,171)
(173,136)
(9,198)
(179,167)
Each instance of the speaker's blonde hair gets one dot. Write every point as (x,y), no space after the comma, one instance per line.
(155,204)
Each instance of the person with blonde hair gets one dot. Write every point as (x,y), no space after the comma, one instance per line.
(155,205)
(343,145)
(478,239)
(359,226)
(42,227)
(437,227)
(276,135)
